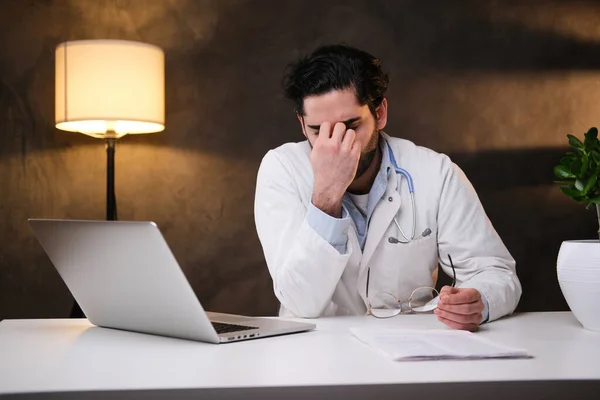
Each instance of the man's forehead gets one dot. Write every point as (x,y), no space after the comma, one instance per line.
(332,107)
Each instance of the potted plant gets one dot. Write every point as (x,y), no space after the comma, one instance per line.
(578,263)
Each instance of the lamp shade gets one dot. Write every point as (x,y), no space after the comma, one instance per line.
(111,87)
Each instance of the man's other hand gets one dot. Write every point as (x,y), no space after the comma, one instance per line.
(460,308)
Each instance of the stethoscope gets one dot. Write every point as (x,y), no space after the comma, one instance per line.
(411,190)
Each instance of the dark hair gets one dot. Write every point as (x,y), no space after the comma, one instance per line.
(336,67)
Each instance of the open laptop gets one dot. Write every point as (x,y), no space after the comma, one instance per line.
(124,276)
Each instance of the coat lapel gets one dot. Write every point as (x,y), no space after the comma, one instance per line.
(381,219)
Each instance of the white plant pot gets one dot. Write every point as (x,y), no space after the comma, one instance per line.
(578,269)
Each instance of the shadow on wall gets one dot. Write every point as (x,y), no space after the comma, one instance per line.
(489,38)
(499,170)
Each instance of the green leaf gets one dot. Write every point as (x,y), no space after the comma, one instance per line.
(594,160)
(593,131)
(568,160)
(576,167)
(574,142)
(595,200)
(592,134)
(579,185)
(585,162)
(563,171)
(571,192)
(590,183)
(563,182)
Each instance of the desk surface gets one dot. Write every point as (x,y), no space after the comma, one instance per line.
(72,355)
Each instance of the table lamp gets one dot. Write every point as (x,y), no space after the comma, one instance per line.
(107,89)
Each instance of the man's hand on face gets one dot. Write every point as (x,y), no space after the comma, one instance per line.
(460,308)
(334,160)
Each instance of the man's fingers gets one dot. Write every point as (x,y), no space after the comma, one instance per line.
(459,318)
(339,129)
(348,140)
(456,325)
(355,151)
(463,309)
(462,296)
(325,131)
(448,290)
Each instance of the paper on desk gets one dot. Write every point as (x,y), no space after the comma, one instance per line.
(418,345)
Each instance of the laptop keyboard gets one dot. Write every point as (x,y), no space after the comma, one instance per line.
(228,328)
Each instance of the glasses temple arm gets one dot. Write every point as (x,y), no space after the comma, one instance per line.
(453,271)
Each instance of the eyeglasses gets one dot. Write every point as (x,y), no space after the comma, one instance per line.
(422,300)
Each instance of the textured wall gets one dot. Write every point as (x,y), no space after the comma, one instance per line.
(495,84)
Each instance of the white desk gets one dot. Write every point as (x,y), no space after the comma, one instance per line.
(54,356)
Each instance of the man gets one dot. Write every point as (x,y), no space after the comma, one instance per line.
(337,223)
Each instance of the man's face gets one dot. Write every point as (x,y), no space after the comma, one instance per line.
(342,106)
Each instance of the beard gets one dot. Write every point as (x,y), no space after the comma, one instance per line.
(368,154)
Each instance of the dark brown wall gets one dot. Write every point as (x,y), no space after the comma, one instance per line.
(495,84)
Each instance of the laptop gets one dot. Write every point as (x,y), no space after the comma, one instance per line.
(124,276)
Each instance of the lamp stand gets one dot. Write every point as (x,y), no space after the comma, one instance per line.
(111,199)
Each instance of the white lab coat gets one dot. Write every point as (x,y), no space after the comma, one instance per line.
(311,278)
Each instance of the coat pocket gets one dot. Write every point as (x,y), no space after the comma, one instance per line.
(403,267)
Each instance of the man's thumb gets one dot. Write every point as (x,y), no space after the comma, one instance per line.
(448,290)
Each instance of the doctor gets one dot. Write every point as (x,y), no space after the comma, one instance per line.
(352,213)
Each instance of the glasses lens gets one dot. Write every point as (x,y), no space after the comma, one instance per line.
(384,305)
(423,299)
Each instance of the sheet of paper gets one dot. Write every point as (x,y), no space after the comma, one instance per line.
(415,345)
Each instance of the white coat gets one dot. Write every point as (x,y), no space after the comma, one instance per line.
(311,278)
